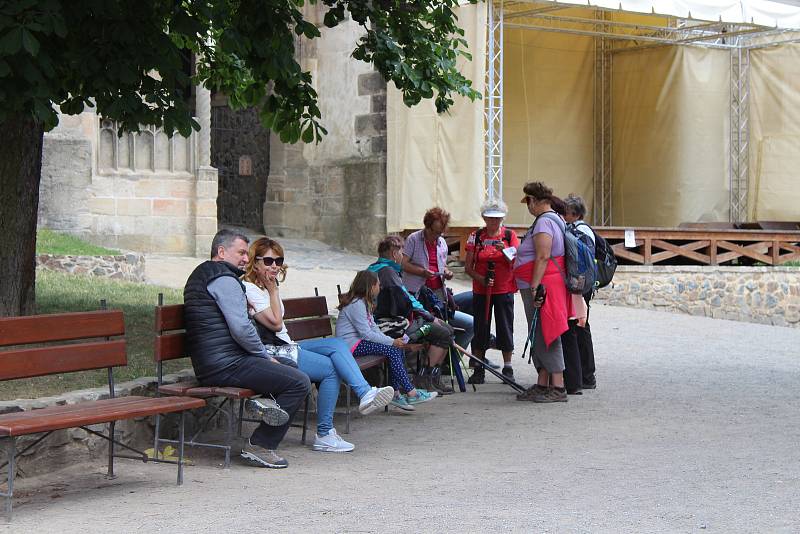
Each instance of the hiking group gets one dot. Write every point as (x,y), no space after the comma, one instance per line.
(398,306)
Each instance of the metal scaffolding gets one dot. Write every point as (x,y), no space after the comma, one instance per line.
(601,214)
(493,103)
(612,36)
(739,147)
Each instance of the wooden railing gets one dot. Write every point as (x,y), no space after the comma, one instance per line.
(686,246)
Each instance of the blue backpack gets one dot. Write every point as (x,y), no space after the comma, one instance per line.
(581,269)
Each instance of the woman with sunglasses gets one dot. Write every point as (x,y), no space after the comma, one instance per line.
(326,361)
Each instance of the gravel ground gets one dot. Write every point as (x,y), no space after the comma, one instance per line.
(694,427)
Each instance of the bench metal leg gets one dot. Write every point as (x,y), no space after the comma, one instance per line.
(111,426)
(305,420)
(11,457)
(155,435)
(241,416)
(180,448)
(347,411)
(229,435)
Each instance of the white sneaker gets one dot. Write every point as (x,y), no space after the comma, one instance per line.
(332,443)
(375,399)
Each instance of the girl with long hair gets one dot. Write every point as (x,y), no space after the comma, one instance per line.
(357,328)
(326,361)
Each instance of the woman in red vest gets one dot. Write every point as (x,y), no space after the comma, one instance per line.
(540,260)
(492,289)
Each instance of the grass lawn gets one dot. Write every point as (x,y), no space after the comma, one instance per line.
(50,242)
(57,292)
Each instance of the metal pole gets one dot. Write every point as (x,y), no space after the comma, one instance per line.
(494,100)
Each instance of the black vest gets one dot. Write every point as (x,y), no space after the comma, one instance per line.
(208,340)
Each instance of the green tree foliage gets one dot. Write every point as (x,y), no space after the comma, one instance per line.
(127,58)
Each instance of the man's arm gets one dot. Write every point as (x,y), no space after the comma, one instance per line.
(233,304)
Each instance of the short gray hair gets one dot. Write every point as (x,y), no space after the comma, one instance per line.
(225,239)
(494,204)
(575,205)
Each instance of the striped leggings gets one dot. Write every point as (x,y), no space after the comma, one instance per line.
(397,362)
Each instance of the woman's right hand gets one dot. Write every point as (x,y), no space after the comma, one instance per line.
(399,343)
(270,284)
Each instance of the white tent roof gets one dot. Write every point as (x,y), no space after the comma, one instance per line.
(783,14)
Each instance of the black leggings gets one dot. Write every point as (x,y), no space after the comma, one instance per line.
(502,306)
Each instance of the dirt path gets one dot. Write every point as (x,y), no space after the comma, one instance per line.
(694,426)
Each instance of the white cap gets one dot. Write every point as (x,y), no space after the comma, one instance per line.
(493,212)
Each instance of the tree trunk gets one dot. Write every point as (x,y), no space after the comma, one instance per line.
(20,172)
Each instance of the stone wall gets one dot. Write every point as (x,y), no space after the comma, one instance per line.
(128,267)
(768,295)
(145,191)
(334,191)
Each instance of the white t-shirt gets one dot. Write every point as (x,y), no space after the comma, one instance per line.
(259,298)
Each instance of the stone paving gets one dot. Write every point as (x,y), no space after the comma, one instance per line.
(693,428)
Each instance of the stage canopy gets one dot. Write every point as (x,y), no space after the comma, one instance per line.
(656,112)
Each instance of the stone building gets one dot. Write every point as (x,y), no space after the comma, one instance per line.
(147,192)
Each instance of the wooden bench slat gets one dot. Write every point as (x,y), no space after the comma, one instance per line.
(60,327)
(170,347)
(305,307)
(369,361)
(27,363)
(91,413)
(192,389)
(169,317)
(309,328)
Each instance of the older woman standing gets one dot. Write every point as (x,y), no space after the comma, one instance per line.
(492,288)
(425,264)
(575,213)
(540,260)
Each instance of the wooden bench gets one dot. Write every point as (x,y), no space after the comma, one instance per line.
(66,343)
(306,318)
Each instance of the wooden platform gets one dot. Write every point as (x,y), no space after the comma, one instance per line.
(684,246)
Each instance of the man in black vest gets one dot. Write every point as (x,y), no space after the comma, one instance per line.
(226,350)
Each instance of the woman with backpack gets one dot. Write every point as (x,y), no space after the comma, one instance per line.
(493,285)
(575,213)
(540,260)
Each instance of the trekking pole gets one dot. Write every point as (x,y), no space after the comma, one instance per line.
(540,294)
(455,370)
(503,378)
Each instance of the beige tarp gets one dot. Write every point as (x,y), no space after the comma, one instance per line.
(548,115)
(670,117)
(438,159)
(775,134)
(670,136)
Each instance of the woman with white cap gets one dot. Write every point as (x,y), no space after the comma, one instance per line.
(489,263)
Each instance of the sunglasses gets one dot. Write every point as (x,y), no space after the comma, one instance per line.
(269,261)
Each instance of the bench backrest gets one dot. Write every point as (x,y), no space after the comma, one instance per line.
(305,318)
(63,343)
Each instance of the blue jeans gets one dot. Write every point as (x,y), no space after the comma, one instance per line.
(329,362)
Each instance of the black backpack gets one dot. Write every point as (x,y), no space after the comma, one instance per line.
(604,257)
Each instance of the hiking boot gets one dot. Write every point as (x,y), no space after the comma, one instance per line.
(263,457)
(269,411)
(375,399)
(439,385)
(332,442)
(478,376)
(531,392)
(589,385)
(508,372)
(422,381)
(552,394)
